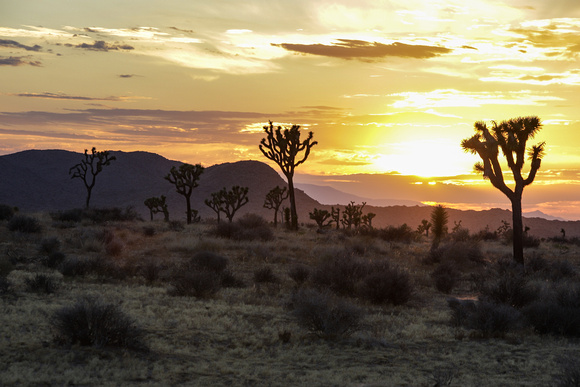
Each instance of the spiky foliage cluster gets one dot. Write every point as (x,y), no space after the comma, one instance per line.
(88,169)
(439,219)
(156,205)
(274,200)
(321,217)
(185,179)
(510,137)
(283,146)
(228,202)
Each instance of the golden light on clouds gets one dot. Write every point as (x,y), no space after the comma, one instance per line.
(386,86)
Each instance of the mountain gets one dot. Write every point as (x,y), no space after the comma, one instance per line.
(330,195)
(540,214)
(38,180)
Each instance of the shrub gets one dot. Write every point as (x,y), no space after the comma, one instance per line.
(5,266)
(54,259)
(512,289)
(557,312)
(445,276)
(114,214)
(569,372)
(150,270)
(68,216)
(6,212)
(24,224)
(49,246)
(325,316)
(199,284)
(265,275)
(41,283)
(149,231)
(402,233)
(486,317)
(206,260)
(248,228)
(229,280)
(561,269)
(386,285)
(299,273)
(5,286)
(91,322)
(460,253)
(340,275)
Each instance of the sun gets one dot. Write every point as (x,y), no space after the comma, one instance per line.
(425,158)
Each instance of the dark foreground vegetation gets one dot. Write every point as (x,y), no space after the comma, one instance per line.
(97,297)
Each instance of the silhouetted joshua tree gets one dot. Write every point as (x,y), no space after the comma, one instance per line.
(439,219)
(274,200)
(352,215)
(283,147)
(88,169)
(510,136)
(321,217)
(228,202)
(185,179)
(157,205)
(424,227)
(335,214)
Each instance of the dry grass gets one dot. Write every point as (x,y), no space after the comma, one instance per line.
(248,336)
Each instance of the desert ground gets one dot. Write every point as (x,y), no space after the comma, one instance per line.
(249,304)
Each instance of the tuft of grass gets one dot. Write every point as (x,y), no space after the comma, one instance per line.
(24,224)
(41,283)
(445,277)
(299,273)
(265,275)
(199,284)
(92,322)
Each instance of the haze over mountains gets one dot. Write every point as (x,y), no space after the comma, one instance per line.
(38,180)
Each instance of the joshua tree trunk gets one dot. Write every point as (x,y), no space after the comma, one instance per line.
(293,212)
(518,229)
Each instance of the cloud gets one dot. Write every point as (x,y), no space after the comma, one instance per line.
(364,50)
(181,30)
(18,61)
(126,75)
(15,44)
(101,45)
(66,97)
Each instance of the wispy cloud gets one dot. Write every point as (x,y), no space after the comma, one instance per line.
(18,61)
(63,96)
(15,44)
(364,50)
(101,45)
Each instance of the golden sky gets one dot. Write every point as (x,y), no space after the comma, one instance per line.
(386,86)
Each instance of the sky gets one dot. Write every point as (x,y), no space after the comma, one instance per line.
(388,87)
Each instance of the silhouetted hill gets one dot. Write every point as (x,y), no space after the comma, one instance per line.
(38,180)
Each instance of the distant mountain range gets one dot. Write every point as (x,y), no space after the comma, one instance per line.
(38,180)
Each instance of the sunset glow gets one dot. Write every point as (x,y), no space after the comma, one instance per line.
(386,86)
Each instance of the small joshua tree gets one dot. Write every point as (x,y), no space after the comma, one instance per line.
(511,137)
(439,219)
(424,227)
(335,214)
(367,219)
(88,169)
(283,147)
(352,215)
(185,179)
(157,205)
(228,202)
(321,217)
(274,200)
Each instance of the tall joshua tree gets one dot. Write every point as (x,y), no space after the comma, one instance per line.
(185,179)
(274,200)
(510,136)
(283,146)
(88,169)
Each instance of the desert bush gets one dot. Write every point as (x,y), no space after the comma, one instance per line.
(445,277)
(41,283)
(24,224)
(102,267)
(460,254)
(557,311)
(340,274)
(206,260)
(5,286)
(325,315)
(114,248)
(485,235)
(113,214)
(91,322)
(6,212)
(561,270)
(149,231)
(249,227)
(69,216)
(536,264)
(299,273)
(199,284)
(510,288)
(150,270)
(403,233)
(386,284)
(265,275)
(49,246)
(487,318)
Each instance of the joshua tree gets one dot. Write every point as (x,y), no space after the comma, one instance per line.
(321,217)
(185,179)
(156,205)
(274,200)
(424,227)
(510,136)
(335,213)
(283,147)
(228,202)
(352,215)
(88,169)
(367,219)
(439,218)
